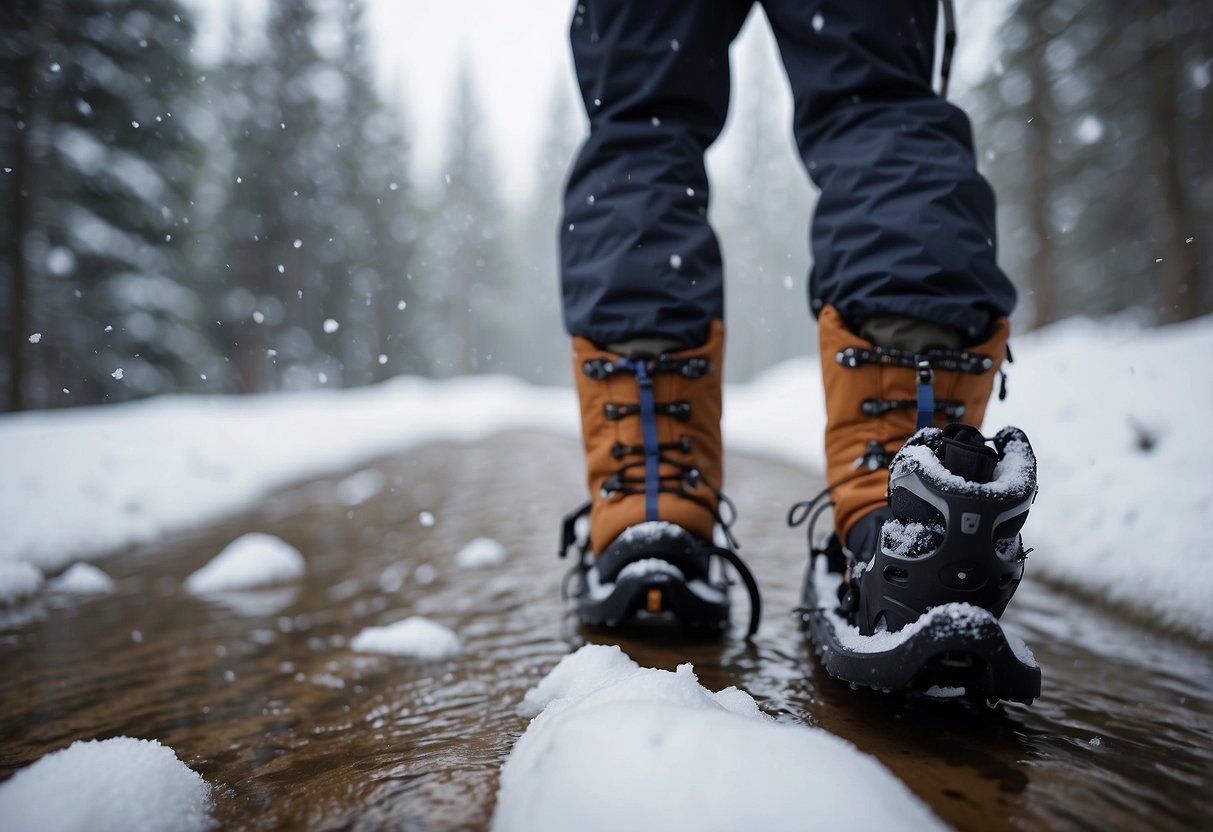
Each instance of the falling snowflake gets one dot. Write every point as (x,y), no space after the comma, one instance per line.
(331,326)
(427,519)
(675,261)
(818,22)
(35,338)
(117,374)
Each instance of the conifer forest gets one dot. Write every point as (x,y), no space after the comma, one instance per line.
(256,222)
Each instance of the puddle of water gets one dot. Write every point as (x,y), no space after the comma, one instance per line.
(260,693)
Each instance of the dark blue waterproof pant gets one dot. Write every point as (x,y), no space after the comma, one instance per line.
(904,225)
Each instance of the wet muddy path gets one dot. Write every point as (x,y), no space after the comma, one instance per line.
(260,693)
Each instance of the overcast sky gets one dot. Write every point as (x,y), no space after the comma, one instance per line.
(519,53)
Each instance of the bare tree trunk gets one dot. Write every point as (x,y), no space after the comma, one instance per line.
(1179,270)
(1042,278)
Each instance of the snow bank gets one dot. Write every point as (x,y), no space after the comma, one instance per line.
(82,579)
(1118,417)
(83,482)
(249,561)
(18,581)
(120,784)
(618,746)
(479,553)
(414,637)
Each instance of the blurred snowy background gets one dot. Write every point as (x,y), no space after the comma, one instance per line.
(235,197)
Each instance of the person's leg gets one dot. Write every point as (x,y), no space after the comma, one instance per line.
(638,257)
(905,223)
(903,235)
(643,299)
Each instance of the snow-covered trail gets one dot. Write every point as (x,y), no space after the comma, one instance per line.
(263,694)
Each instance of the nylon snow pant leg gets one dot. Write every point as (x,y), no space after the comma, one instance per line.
(905,223)
(638,257)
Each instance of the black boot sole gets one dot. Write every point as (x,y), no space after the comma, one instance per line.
(952,650)
(654,597)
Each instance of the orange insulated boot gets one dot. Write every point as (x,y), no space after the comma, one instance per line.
(878,396)
(650,424)
(927,550)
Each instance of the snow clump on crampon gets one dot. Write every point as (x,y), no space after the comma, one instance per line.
(415,637)
(115,785)
(618,746)
(249,561)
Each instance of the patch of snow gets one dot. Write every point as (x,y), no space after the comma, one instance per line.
(603,719)
(19,581)
(358,488)
(252,560)
(479,553)
(120,784)
(70,476)
(82,579)
(415,637)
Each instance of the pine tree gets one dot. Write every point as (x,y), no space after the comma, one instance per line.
(377,221)
(538,346)
(468,271)
(94,91)
(1100,109)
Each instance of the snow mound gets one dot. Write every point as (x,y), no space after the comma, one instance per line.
(618,746)
(356,489)
(83,579)
(251,560)
(415,637)
(479,553)
(18,581)
(120,784)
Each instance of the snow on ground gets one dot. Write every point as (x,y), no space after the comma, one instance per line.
(1116,414)
(415,637)
(249,561)
(88,481)
(18,581)
(115,785)
(479,553)
(82,579)
(1119,419)
(617,746)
